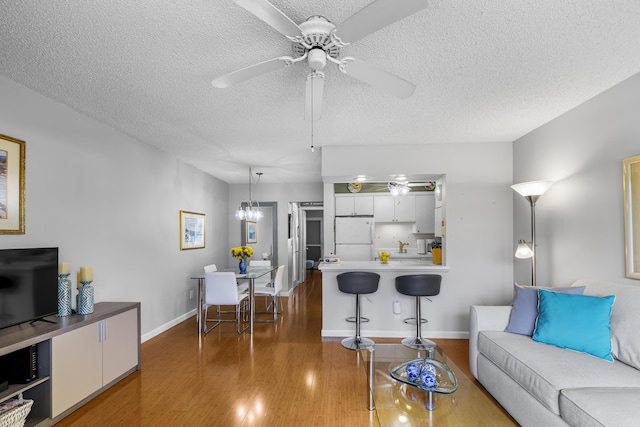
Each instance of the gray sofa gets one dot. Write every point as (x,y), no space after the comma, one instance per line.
(544,385)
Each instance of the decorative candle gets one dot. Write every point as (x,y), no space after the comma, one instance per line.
(64,268)
(86,274)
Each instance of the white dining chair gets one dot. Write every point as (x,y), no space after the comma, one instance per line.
(264,280)
(221,289)
(273,292)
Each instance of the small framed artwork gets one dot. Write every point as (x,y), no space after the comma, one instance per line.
(192,230)
(252,232)
(12,179)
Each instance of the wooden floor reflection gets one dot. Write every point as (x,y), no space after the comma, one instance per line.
(282,375)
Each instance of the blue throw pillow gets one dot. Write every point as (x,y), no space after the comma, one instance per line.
(576,322)
(525,307)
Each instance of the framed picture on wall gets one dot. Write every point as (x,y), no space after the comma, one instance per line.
(192,230)
(12,179)
(252,232)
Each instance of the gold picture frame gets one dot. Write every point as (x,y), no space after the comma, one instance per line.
(631,188)
(192,230)
(252,232)
(12,182)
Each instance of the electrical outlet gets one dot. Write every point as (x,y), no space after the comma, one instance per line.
(191,294)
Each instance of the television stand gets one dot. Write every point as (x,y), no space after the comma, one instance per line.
(42,319)
(107,341)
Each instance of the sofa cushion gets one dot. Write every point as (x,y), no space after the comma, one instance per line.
(597,407)
(525,307)
(543,370)
(625,318)
(577,322)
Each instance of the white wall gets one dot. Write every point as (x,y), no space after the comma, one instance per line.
(111,202)
(579,221)
(280,193)
(479,216)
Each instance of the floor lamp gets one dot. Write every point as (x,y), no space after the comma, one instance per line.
(531,191)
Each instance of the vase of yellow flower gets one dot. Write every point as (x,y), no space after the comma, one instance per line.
(242,253)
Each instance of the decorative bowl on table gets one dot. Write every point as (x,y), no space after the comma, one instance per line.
(426,374)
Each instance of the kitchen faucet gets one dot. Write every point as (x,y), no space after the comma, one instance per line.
(401,246)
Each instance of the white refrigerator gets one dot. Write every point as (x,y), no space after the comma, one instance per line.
(354,238)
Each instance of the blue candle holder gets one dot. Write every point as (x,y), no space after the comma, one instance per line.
(64,295)
(85,298)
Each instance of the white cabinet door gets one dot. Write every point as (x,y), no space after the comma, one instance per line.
(383,209)
(425,214)
(76,367)
(405,208)
(438,222)
(119,345)
(344,205)
(86,359)
(363,205)
(354,205)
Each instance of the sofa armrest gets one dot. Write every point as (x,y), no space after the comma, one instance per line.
(484,318)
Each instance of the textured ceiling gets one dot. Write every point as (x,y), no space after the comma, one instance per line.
(486,71)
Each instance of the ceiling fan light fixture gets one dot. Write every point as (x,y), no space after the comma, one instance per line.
(317,59)
(398,188)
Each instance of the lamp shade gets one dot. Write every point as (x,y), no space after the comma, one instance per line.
(532,188)
(523,250)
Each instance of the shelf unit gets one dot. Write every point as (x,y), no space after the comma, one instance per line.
(41,334)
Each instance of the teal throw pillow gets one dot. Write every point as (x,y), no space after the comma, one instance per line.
(525,307)
(576,322)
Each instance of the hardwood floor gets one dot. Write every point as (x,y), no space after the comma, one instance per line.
(282,375)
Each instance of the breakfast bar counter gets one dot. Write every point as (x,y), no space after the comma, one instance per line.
(378,307)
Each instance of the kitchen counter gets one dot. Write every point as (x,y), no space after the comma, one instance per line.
(410,254)
(405,266)
(378,307)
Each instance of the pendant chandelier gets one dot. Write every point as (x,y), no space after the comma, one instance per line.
(250,210)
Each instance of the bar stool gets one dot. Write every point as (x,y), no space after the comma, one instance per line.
(357,282)
(419,285)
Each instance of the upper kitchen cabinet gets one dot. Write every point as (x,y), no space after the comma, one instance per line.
(425,213)
(394,209)
(354,205)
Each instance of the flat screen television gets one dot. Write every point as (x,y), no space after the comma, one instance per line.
(28,284)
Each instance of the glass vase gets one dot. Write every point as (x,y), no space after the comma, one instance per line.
(243,266)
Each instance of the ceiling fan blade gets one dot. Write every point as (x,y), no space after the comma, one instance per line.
(272,16)
(313,96)
(380,79)
(375,16)
(251,71)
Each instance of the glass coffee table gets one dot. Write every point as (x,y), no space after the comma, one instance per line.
(457,402)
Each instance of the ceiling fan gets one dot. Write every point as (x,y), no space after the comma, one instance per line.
(317,40)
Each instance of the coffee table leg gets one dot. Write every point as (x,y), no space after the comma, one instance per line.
(430,404)
(371,405)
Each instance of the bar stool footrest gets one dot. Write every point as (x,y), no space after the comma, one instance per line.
(412,320)
(354,319)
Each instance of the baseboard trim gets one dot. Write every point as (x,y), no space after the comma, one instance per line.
(162,328)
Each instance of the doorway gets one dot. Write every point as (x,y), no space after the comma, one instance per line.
(305,219)
(265,240)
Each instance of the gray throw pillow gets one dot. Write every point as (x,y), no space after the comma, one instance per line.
(525,307)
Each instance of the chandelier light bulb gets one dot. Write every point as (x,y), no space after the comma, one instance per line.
(240,214)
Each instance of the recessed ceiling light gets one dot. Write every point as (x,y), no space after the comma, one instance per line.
(361,178)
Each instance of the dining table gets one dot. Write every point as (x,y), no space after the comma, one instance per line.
(250,276)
